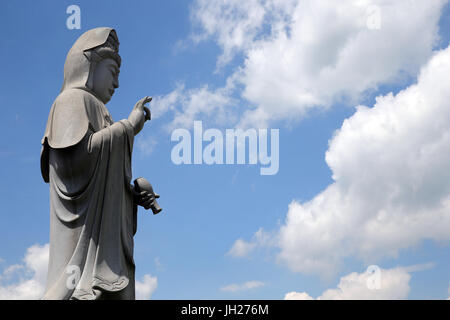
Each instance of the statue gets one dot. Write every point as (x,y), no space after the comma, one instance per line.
(86,159)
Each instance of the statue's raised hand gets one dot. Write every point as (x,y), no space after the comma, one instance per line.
(139,114)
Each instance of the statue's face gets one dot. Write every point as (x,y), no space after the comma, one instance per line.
(106,79)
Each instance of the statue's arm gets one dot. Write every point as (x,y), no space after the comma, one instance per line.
(96,138)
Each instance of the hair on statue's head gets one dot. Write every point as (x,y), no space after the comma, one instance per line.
(108,50)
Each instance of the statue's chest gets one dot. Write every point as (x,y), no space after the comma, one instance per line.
(103,117)
(107,120)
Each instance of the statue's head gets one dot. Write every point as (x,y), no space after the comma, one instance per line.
(105,64)
(93,63)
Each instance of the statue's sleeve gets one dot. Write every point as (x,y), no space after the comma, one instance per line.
(96,138)
(95,144)
(72,169)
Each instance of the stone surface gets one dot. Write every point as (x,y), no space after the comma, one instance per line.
(86,159)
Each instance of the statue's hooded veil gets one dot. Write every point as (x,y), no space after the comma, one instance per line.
(77,70)
(92,214)
(78,64)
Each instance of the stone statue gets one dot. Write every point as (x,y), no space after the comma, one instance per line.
(86,159)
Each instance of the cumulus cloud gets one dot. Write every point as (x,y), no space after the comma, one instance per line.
(297,296)
(146,144)
(387,284)
(31,274)
(243,287)
(298,55)
(187,105)
(163,104)
(329,53)
(235,24)
(146,287)
(391,168)
(242,248)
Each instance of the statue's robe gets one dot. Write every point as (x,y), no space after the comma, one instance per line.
(86,158)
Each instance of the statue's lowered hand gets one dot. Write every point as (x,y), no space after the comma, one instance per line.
(145,196)
(139,114)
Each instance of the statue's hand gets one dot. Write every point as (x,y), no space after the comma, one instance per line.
(144,198)
(139,115)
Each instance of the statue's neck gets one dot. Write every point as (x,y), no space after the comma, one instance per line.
(94,94)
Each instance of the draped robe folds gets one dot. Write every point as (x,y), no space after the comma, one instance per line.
(86,158)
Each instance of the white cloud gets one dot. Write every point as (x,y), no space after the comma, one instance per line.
(249,285)
(391,168)
(32,276)
(187,105)
(212,103)
(146,287)
(146,144)
(235,24)
(299,55)
(297,296)
(328,53)
(242,248)
(10,271)
(419,267)
(394,284)
(162,104)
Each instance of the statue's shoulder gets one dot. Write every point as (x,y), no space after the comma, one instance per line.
(68,120)
(81,101)
(73,98)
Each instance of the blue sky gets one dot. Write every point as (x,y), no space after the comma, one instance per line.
(297,66)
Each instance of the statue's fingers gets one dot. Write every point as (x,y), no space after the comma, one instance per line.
(149,195)
(136,193)
(148,202)
(145,100)
(148,114)
(156,195)
(140,103)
